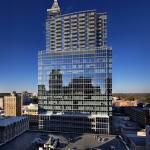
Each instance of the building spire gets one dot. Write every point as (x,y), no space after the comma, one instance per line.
(55,9)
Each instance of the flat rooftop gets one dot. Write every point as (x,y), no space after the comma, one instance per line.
(138,141)
(78,141)
(5,121)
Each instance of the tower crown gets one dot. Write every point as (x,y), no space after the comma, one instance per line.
(55,9)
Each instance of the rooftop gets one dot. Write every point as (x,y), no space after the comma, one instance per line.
(138,141)
(31,107)
(10,120)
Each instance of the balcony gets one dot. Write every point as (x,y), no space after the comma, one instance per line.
(100,28)
(81,19)
(74,20)
(58,41)
(58,38)
(74,32)
(91,19)
(66,25)
(82,45)
(52,23)
(58,31)
(66,40)
(91,30)
(66,34)
(82,35)
(91,23)
(67,47)
(81,31)
(91,33)
(74,25)
(91,38)
(52,38)
(91,42)
(81,26)
(66,17)
(58,27)
(66,21)
(58,22)
(81,23)
(100,36)
(58,45)
(74,28)
(51,26)
(66,29)
(52,31)
(92,14)
(73,16)
(81,15)
(74,41)
(52,47)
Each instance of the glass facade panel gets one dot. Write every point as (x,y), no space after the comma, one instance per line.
(75,72)
(78,78)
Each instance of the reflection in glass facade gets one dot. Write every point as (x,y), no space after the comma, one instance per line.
(75,73)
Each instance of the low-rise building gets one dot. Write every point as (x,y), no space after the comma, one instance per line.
(137,143)
(141,115)
(148,137)
(1,103)
(31,109)
(124,103)
(12,105)
(137,139)
(11,127)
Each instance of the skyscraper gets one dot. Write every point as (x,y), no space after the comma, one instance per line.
(75,73)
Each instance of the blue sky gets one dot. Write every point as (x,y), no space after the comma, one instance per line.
(22,34)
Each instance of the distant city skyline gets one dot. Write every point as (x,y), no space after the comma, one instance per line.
(22,34)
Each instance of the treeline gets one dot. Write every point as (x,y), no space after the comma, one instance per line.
(142,97)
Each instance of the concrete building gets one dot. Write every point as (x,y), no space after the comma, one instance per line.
(137,143)
(25,98)
(75,72)
(11,127)
(147,137)
(141,142)
(124,103)
(141,115)
(12,105)
(1,103)
(31,109)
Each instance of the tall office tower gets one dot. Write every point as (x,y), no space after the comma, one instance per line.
(75,73)
(12,105)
